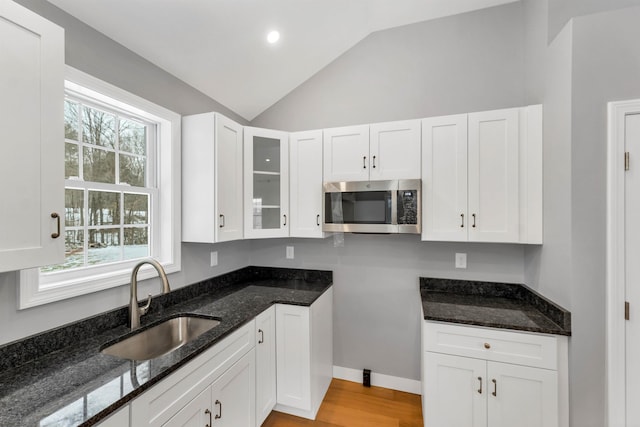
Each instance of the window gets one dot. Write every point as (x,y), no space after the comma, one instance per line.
(121,192)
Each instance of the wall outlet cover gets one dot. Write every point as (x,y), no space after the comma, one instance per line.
(461,260)
(214,258)
(289,252)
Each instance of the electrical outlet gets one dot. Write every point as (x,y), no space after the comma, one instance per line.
(461,260)
(214,258)
(289,252)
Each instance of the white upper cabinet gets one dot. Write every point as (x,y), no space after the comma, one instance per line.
(482,176)
(32,135)
(493,176)
(229,180)
(444,179)
(305,154)
(266,183)
(381,151)
(346,154)
(394,150)
(211,179)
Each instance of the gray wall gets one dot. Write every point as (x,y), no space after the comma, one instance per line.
(561,11)
(469,62)
(375,294)
(606,66)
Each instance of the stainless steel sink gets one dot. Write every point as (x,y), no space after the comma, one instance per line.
(161,338)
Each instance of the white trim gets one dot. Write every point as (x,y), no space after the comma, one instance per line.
(616,346)
(379,380)
(168,251)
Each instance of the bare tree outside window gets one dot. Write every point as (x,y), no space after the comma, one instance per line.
(107,198)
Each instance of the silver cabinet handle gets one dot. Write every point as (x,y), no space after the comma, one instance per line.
(364,162)
(374,162)
(221,220)
(219,414)
(462,223)
(474,220)
(261,340)
(495,387)
(208,412)
(480,389)
(285,219)
(318,220)
(56,216)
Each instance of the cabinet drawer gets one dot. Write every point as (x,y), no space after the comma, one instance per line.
(519,348)
(158,404)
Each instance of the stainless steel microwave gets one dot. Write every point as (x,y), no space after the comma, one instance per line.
(372,206)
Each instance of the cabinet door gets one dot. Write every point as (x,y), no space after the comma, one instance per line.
(228,179)
(293,347)
(305,153)
(196,413)
(119,419)
(522,396)
(346,154)
(454,391)
(265,364)
(395,150)
(444,178)
(32,135)
(266,183)
(234,399)
(493,176)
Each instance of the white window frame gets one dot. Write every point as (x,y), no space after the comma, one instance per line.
(35,289)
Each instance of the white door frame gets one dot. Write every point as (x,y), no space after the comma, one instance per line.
(616,345)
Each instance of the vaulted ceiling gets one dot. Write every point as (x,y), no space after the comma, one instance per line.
(220,46)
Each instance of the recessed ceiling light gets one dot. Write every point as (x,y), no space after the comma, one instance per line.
(273,37)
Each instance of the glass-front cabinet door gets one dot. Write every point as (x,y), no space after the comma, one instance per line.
(266,183)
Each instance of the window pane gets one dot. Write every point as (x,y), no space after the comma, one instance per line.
(104,208)
(132,170)
(136,242)
(136,209)
(99,165)
(73,252)
(71,160)
(70,120)
(104,246)
(73,208)
(98,127)
(133,137)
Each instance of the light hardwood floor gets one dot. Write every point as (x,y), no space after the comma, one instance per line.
(349,404)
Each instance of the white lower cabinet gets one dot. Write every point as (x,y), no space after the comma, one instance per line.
(304,348)
(196,413)
(485,390)
(219,383)
(467,392)
(233,395)
(227,402)
(119,419)
(265,364)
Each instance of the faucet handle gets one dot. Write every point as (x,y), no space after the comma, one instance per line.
(143,310)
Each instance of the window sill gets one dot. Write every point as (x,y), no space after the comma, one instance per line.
(32,293)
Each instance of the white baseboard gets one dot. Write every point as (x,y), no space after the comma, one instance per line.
(379,380)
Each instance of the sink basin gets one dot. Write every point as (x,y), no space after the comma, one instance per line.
(162,338)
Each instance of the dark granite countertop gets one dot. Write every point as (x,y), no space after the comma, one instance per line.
(60,378)
(497,305)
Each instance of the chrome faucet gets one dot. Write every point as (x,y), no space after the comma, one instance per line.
(134,310)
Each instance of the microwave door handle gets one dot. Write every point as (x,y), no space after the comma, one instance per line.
(394,207)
